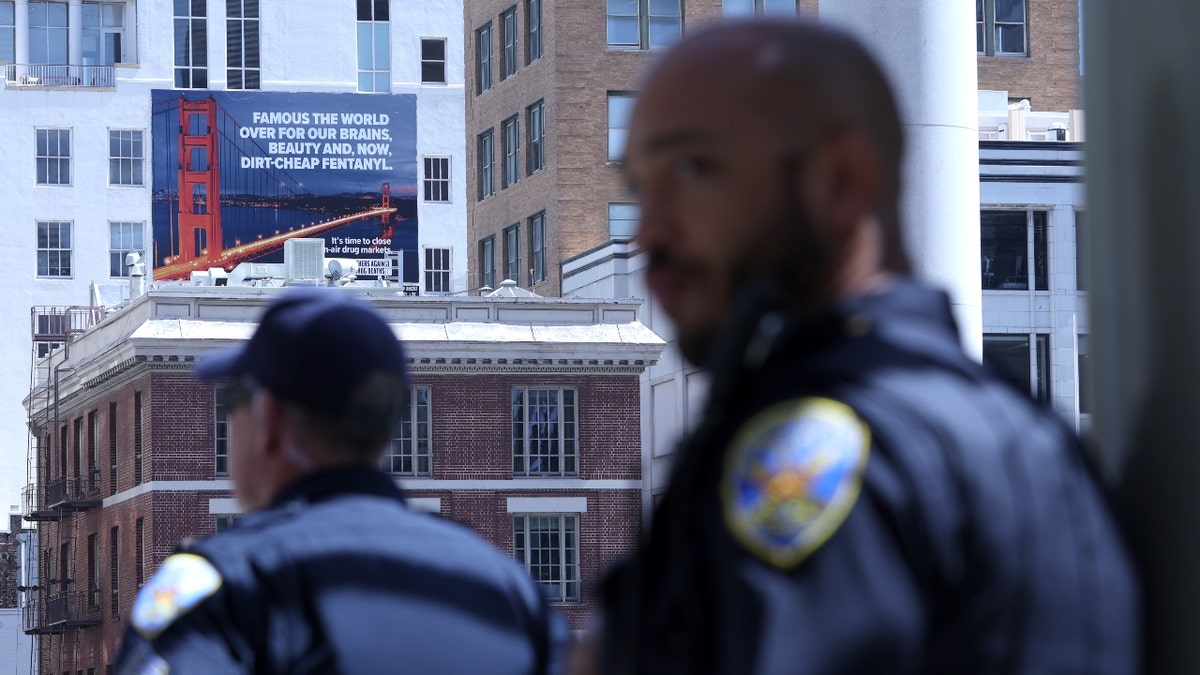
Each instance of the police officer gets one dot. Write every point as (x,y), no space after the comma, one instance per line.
(861,496)
(331,572)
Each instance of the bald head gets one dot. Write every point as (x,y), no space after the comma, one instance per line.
(806,82)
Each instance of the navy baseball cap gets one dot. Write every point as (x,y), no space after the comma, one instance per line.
(313,347)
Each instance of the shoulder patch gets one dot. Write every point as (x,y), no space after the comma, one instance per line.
(183,581)
(792,474)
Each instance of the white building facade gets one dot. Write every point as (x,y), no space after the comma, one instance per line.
(93,169)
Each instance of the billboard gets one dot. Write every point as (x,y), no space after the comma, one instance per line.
(236,174)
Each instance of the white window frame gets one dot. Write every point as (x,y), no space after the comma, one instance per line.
(410,452)
(618,122)
(436,181)
(486,150)
(508,43)
(53,152)
(127,167)
(510,141)
(8,27)
(558,454)
(988,40)
(547,546)
(623,220)
(124,237)
(242,74)
(432,62)
(54,250)
(1040,367)
(220,433)
(512,252)
(535,125)
(438,261)
(375,72)
(50,56)
(1034,255)
(737,8)
(483,58)
(192,73)
(487,262)
(537,248)
(533,31)
(623,13)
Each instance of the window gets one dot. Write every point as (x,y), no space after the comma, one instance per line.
(112,448)
(103,31)
(225,522)
(408,454)
(623,221)
(437,270)
(544,433)
(241,44)
(437,179)
(8,31)
(760,7)
(508,42)
(487,263)
(1083,353)
(125,157)
(1082,273)
(1009,240)
(93,569)
(114,559)
(77,448)
(487,160)
(48,33)
(537,247)
(54,248)
(510,141)
(220,432)
(139,560)
(191,44)
(53,156)
(137,438)
(1021,359)
(548,546)
(374,46)
(93,464)
(483,58)
(433,60)
(533,31)
(512,253)
(644,24)
(1000,27)
(123,238)
(535,125)
(620,109)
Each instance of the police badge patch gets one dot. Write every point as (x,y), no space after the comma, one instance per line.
(793,472)
(183,581)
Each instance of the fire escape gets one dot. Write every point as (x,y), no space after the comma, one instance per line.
(64,479)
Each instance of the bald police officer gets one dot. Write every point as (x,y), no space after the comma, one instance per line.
(861,496)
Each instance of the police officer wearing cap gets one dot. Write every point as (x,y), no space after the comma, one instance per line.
(330,572)
(860,496)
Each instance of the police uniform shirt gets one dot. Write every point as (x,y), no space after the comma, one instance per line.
(339,576)
(865,498)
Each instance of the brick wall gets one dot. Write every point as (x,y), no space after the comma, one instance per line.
(1049,76)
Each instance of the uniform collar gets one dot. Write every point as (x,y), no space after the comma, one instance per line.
(322,485)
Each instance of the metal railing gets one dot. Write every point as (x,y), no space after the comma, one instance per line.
(38,75)
(56,612)
(73,491)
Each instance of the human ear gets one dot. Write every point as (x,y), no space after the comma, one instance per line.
(841,181)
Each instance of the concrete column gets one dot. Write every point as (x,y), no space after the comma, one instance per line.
(927,48)
(1144,213)
(21,35)
(75,32)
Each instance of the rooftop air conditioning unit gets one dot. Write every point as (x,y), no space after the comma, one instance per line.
(304,259)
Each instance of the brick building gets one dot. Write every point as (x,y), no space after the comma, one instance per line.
(524,425)
(550,84)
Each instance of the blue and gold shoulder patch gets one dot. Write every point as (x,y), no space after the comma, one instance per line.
(183,581)
(792,475)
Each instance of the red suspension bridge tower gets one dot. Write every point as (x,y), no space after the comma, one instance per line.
(199,182)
